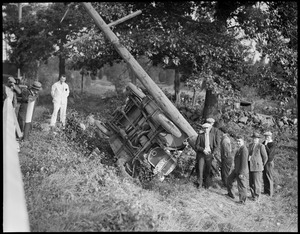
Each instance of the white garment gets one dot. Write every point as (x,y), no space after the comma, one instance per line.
(207,146)
(59,92)
(9,93)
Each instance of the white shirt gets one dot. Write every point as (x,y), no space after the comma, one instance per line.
(207,146)
(60,92)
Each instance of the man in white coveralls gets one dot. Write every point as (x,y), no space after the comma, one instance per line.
(59,92)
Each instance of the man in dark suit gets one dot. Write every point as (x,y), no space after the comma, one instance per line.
(214,130)
(28,95)
(257,159)
(206,146)
(240,171)
(218,138)
(268,173)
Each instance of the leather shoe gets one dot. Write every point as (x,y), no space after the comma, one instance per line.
(197,185)
(229,195)
(241,203)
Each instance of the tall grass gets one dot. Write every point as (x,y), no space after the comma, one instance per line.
(69,190)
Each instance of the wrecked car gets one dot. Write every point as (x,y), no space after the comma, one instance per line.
(141,134)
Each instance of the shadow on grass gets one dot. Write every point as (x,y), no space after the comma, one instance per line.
(286,147)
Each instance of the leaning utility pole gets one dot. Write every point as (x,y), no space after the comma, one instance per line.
(109,25)
(144,78)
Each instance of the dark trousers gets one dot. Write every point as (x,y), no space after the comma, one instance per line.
(241,185)
(268,178)
(203,170)
(21,121)
(255,180)
(226,164)
(22,116)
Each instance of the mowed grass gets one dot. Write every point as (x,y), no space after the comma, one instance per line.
(68,189)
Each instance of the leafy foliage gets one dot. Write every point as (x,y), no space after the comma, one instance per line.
(195,38)
(274,28)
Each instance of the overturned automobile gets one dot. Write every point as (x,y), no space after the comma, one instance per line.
(141,134)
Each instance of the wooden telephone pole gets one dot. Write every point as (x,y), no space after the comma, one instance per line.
(144,78)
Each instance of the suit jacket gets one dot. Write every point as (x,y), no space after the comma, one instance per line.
(241,161)
(60,92)
(200,143)
(258,158)
(225,147)
(218,136)
(27,96)
(270,148)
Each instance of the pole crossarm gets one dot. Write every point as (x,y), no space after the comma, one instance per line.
(109,25)
(145,79)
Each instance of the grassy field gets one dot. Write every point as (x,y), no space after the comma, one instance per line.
(69,188)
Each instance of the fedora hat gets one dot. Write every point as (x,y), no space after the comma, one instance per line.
(255,135)
(268,133)
(11,80)
(36,85)
(210,120)
(206,125)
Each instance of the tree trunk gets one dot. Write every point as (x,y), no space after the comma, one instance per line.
(170,76)
(210,105)
(177,88)
(88,80)
(62,63)
(37,70)
(82,82)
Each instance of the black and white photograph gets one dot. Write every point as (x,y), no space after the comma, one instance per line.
(150,116)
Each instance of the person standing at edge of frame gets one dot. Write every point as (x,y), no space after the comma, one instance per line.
(240,172)
(59,92)
(268,173)
(257,159)
(12,85)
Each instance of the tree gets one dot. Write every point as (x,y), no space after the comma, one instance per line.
(41,32)
(62,23)
(167,34)
(198,47)
(26,39)
(274,27)
(202,47)
(194,38)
